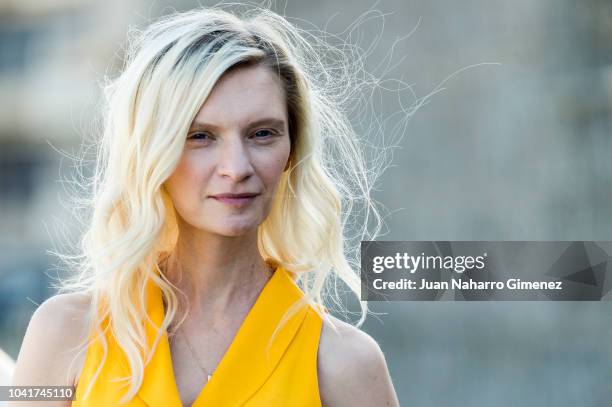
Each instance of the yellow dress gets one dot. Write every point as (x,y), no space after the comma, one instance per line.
(244,377)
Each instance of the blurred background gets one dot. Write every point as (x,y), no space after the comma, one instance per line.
(516,151)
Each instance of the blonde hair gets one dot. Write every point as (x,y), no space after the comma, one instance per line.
(170,70)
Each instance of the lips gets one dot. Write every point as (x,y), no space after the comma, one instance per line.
(236,201)
(235,196)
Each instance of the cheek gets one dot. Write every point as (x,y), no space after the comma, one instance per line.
(186,177)
(273,165)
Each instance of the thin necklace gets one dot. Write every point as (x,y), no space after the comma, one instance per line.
(208,375)
(179,330)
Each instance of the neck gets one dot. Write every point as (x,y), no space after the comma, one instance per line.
(217,274)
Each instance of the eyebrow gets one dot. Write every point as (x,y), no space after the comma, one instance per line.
(271,121)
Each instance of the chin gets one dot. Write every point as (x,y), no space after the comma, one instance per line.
(238,229)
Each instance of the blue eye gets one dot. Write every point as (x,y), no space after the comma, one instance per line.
(198,136)
(266,133)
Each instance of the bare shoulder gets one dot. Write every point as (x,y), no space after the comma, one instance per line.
(51,342)
(352,369)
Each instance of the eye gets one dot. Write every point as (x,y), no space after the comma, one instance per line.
(263,134)
(199,136)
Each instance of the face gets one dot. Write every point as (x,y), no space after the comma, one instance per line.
(238,144)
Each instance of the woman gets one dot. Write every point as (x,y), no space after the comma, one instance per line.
(217,221)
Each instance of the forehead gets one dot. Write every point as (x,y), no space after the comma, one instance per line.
(242,95)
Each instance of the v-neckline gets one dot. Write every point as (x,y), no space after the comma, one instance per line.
(201,394)
(247,350)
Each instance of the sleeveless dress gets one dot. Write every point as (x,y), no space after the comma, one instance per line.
(246,375)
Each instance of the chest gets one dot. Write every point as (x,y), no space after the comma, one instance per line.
(197,354)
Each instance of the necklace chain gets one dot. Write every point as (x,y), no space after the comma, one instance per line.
(179,330)
(208,375)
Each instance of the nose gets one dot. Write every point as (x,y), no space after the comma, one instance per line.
(234,160)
